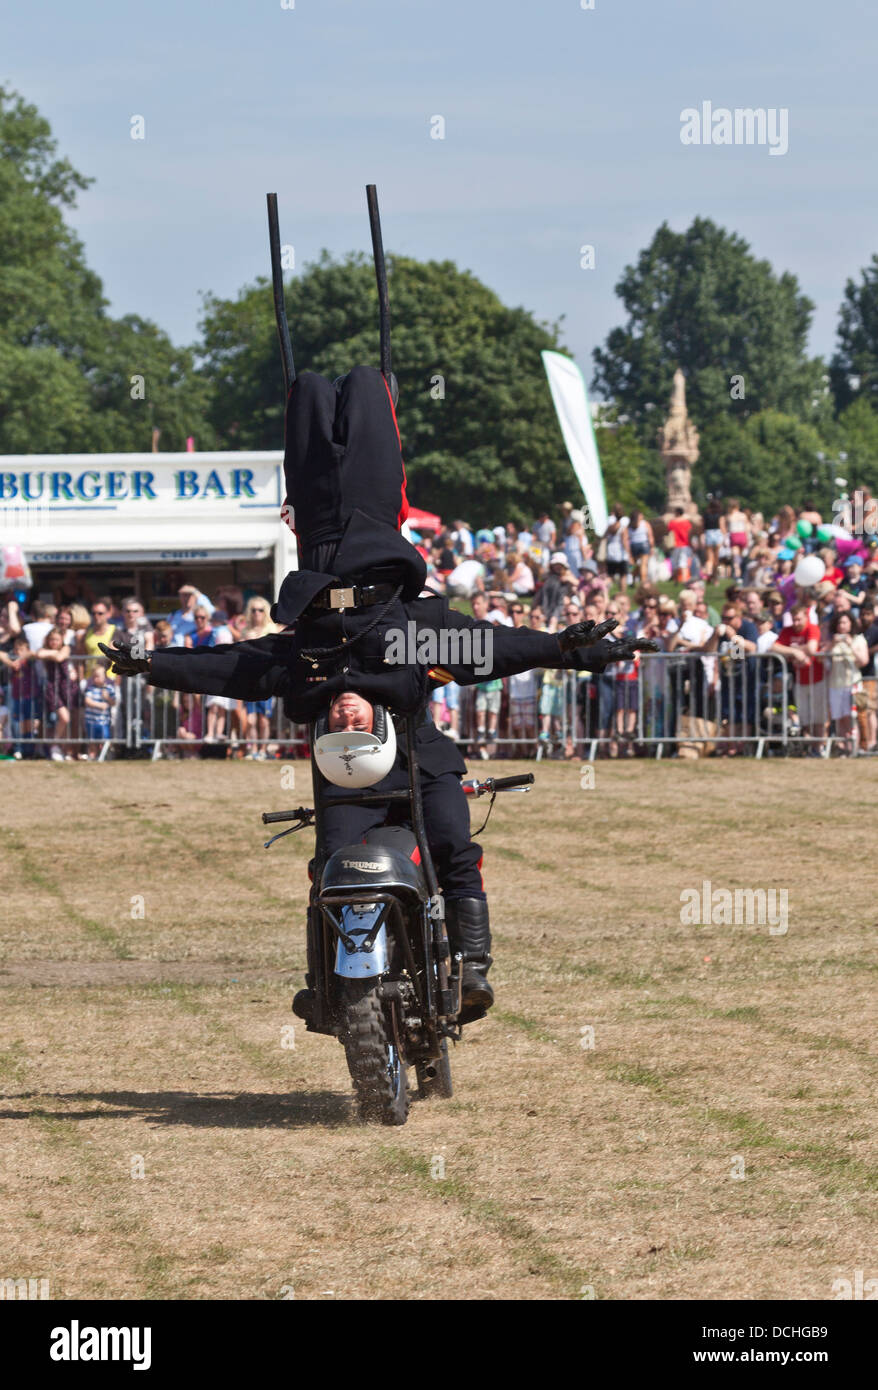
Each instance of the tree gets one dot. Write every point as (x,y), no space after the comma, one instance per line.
(853,370)
(701,301)
(857,437)
(141,381)
(65,365)
(765,461)
(478,427)
(633,473)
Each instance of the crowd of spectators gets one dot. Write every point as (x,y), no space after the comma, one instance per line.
(654,577)
(717,589)
(58,697)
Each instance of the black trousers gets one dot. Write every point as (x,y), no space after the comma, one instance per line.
(342,453)
(457,858)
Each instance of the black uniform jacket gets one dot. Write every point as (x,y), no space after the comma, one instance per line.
(397,663)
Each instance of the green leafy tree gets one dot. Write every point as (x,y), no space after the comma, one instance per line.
(857,437)
(854,367)
(633,473)
(701,301)
(141,381)
(65,365)
(765,461)
(479,431)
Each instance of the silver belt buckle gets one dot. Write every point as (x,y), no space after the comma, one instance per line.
(341,598)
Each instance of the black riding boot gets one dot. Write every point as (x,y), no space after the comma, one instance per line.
(469,932)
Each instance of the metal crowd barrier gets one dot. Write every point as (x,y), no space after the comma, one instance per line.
(44,712)
(51,714)
(669,702)
(169,720)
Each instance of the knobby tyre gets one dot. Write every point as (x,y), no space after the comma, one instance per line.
(377,1070)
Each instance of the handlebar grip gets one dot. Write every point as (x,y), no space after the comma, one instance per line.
(502,784)
(272,817)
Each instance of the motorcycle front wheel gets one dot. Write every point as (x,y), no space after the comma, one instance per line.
(379,1073)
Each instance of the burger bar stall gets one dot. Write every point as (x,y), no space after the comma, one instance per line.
(90,525)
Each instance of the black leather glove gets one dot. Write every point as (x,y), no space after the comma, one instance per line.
(584,634)
(624,649)
(122,662)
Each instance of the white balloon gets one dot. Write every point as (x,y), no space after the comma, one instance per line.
(810,570)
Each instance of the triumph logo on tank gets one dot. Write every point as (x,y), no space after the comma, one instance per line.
(444,646)
(745,125)
(75,1343)
(735,907)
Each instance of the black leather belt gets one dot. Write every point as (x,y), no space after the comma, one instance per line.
(354,596)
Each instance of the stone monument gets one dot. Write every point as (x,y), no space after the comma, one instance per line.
(678,446)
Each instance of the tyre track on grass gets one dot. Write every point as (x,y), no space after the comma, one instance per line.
(739,1124)
(38,877)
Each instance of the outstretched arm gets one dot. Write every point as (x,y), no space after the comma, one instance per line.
(474,651)
(243,671)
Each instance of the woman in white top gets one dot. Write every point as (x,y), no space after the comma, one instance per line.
(848,654)
(641,541)
(618,547)
(738,527)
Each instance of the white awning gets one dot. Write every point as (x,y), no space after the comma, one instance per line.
(170,543)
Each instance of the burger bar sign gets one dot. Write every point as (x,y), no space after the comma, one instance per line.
(161,486)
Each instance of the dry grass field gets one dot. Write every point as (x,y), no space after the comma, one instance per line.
(717,1141)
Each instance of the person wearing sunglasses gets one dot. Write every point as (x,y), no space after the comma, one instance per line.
(182,620)
(100,631)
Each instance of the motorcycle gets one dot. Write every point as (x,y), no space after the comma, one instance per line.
(380,973)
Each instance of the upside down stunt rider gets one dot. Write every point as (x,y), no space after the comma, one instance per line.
(333,662)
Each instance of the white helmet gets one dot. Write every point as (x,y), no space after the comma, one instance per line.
(353,758)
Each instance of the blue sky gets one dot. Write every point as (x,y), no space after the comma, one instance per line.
(562,128)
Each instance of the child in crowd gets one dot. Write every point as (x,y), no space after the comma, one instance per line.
(24,694)
(98,701)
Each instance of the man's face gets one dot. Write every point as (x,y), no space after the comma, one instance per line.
(800,620)
(732,617)
(754,605)
(842,603)
(350,711)
(480,606)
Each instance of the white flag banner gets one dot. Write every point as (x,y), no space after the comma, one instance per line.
(574,416)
